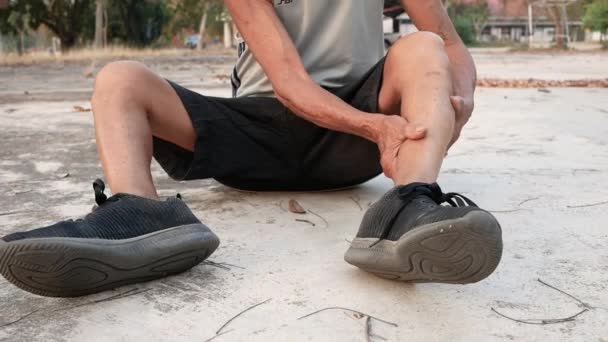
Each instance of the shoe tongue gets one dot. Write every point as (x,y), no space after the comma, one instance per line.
(428,192)
(404,190)
(120,196)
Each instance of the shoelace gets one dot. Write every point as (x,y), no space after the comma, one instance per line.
(100,197)
(433,191)
(99,186)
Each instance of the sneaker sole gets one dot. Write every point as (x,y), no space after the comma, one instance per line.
(459,251)
(69,267)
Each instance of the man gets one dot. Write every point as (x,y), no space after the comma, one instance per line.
(317,106)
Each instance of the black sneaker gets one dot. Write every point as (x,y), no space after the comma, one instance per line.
(408,235)
(126,239)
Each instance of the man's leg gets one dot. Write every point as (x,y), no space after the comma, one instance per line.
(417,84)
(408,234)
(131,236)
(130,105)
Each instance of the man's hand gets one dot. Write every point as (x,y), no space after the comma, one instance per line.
(463,106)
(392,132)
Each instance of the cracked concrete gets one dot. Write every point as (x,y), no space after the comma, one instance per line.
(539,160)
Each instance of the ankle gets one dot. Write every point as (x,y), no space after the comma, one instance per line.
(140,192)
(409,178)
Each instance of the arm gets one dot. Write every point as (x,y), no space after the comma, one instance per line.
(273,49)
(431,16)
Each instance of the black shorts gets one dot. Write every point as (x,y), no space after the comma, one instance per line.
(256,143)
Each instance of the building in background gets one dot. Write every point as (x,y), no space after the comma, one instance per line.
(509,21)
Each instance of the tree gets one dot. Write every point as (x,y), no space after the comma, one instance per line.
(596,16)
(201,31)
(100,24)
(15,19)
(137,22)
(210,8)
(557,16)
(470,19)
(68,19)
(190,15)
(20,22)
(478,13)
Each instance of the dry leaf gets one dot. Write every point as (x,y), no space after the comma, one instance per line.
(295,207)
(358,315)
(222,77)
(89,75)
(81,109)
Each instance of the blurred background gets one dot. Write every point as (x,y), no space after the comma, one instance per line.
(59,26)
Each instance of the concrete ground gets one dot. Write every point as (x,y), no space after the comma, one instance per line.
(538,160)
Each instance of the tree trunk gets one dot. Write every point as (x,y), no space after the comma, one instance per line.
(202,27)
(105,27)
(99,24)
(21,45)
(556,17)
(479,26)
(68,40)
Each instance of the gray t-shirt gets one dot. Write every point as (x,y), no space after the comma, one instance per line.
(338,41)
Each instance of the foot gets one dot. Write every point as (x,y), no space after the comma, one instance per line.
(409,235)
(126,239)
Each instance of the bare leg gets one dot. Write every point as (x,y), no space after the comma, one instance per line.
(130,105)
(417,84)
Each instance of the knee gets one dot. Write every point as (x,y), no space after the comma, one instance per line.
(119,81)
(422,46)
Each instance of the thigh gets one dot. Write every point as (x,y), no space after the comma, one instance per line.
(169,119)
(137,84)
(241,142)
(332,159)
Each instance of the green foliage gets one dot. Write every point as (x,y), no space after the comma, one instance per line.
(19,16)
(596,15)
(132,22)
(68,19)
(464,27)
(187,14)
(469,19)
(136,22)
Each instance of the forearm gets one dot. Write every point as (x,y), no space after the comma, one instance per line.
(313,103)
(464,73)
(273,48)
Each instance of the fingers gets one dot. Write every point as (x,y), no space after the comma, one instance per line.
(415,132)
(457,103)
(388,172)
(387,166)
